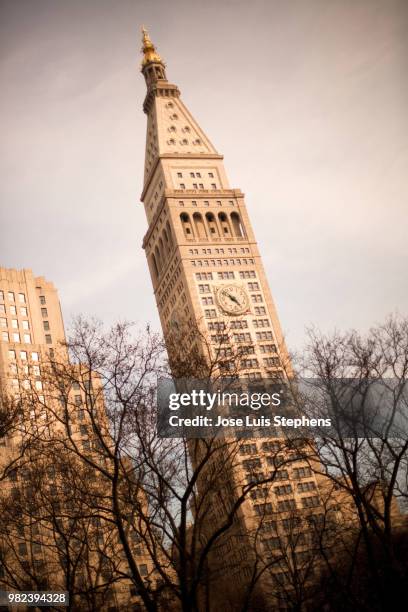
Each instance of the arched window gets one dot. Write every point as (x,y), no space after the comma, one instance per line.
(154,266)
(162,251)
(158,259)
(199,226)
(212,225)
(169,234)
(225,227)
(187,228)
(237,225)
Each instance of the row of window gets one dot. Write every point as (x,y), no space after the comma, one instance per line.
(25,338)
(198,185)
(212,314)
(238,324)
(204,276)
(14,323)
(12,298)
(195,175)
(184,141)
(206,263)
(231,251)
(24,369)
(13,310)
(26,384)
(23,355)
(245,337)
(15,337)
(206,203)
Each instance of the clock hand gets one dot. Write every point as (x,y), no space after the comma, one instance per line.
(233,298)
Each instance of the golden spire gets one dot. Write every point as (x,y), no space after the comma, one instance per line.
(149,50)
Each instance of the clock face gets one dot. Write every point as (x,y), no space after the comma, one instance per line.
(233,299)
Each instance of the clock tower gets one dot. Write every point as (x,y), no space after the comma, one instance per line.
(201,250)
(207,272)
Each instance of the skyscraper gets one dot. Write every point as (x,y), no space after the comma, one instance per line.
(31,324)
(201,250)
(50,411)
(206,270)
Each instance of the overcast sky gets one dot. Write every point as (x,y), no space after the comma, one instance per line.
(306,99)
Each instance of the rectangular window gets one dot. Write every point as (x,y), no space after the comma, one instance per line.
(192,174)
(267,335)
(48,338)
(182,186)
(271,362)
(303,487)
(5,336)
(248,449)
(2,309)
(213,186)
(210,313)
(260,310)
(207,301)
(262,509)
(247,274)
(25,325)
(21,298)
(143,569)
(217,326)
(253,286)
(285,505)
(281,475)
(16,337)
(179,174)
(245,337)
(44,312)
(267,348)
(46,325)
(10,295)
(12,355)
(283,489)
(302,472)
(42,299)
(240,324)
(247,364)
(13,310)
(271,446)
(34,356)
(310,502)
(225,275)
(2,296)
(27,338)
(250,464)
(3,322)
(14,323)
(23,355)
